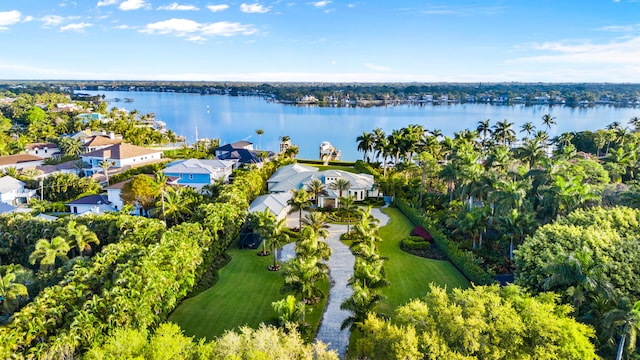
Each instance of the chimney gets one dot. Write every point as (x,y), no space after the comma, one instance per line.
(112,135)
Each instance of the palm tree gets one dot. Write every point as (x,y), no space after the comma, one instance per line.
(366,142)
(502,131)
(105,165)
(548,120)
(12,292)
(318,222)
(79,236)
(484,129)
(580,275)
(177,205)
(528,128)
(348,208)
(316,188)
(360,303)
(340,185)
(378,138)
(46,252)
(626,321)
(70,146)
(162,179)
(302,275)
(531,151)
(260,132)
(298,202)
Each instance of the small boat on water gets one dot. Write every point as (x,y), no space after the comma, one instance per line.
(128,99)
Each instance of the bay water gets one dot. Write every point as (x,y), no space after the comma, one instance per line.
(233,118)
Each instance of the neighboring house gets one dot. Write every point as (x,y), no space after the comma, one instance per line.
(92,204)
(20,161)
(297,177)
(120,156)
(241,152)
(97,142)
(13,192)
(275,203)
(88,117)
(67,167)
(43,150)
(197,173)
(6,208)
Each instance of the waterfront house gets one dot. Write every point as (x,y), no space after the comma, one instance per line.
(121,156)
(242,152)
(295,177)
(13,192)
(43,150)
(92,204)
(20,161)
(197,173)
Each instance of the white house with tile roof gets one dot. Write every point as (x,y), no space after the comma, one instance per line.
(20,161)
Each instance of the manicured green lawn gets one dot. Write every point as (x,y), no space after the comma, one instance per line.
(410,275)
(242,296)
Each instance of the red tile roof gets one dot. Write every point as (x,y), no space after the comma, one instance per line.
(17,159)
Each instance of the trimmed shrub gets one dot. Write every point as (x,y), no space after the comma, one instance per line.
(422,233)
(415,243)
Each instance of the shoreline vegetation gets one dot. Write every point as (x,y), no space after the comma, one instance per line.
(369,94)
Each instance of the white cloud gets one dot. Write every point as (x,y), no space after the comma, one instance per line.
(376,67)
(351,6)
(225,28)
(615,52)
(320,4)
(76,27)
(27,18)
(254,8)
(52,20)
(217,8)
(132,5)
(106,3)
(195,31)
(178,7)
(9,17)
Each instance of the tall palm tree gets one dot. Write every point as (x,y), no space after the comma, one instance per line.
(260,132)
(528,128)
(79,236)
(484,129)
(105,165)
(378,137)
(360,304)
(47,252)
(531,151)
(626,322)
(548,121)
(302,275)
(298,202)
(12,292)
(366,142)
(340,185)
(503,132)
(316,188)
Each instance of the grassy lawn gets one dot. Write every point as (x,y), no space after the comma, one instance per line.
(408,274)
(242,296)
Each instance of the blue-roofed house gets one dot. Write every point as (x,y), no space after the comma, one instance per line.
(197,173)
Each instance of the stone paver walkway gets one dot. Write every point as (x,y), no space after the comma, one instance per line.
(340,265)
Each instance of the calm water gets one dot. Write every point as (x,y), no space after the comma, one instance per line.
(237,118)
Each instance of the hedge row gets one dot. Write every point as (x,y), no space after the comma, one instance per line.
(462,260)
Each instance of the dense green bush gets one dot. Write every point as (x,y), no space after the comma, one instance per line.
(414,243)
(462,260)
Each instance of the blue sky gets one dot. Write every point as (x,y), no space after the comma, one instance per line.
(330,41)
